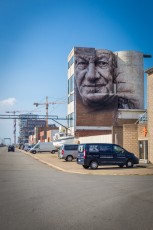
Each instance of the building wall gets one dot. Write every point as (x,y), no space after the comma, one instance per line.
(50,134)
(32,140)
(142,132)
(96,139)
(117,135)
(37,131)
(71,92)
(130,69)
(125,91)
(42,136)
(150,114)
(86,133)
(130,138)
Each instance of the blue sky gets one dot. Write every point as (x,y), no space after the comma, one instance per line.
(36,37)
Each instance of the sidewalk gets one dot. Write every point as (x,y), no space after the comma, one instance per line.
(72,167)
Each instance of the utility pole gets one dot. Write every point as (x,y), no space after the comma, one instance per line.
(47,105)
(14,125)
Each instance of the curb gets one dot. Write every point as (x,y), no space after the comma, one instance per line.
(93,172)
(54,166)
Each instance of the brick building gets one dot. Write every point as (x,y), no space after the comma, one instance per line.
(43,134)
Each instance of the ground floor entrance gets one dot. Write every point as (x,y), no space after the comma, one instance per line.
(143,151)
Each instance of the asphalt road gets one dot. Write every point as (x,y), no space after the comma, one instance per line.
(34,196)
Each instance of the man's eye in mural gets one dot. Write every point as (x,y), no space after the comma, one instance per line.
(102,64)
(82,64)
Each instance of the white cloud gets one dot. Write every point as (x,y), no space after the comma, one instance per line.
(8,102)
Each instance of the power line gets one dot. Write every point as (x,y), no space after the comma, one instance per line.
(2,116)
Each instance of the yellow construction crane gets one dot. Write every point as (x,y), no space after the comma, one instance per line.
(47,105)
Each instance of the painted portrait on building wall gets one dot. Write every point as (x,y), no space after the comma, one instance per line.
(104,83)
(99,83)
(94,74)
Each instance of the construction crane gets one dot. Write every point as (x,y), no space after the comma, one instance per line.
(47,105)
(14,125)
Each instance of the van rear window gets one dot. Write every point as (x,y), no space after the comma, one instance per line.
(81,148)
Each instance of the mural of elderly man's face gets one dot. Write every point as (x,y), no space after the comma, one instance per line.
(94,76)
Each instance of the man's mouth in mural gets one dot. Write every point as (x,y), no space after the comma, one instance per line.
(94,85)
(95,88)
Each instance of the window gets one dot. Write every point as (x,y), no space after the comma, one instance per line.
(106,148)
(70,98)
(71,84)
(71,147)
(70,120)
(37,146)
(118,149)
(81,148)
(71,62)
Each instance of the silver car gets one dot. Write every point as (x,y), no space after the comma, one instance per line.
(68,152)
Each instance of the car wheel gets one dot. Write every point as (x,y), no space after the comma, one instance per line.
(69,158)
(85,166)
(34,152)
(129,164)
(93,165)
(121,166)
(52,151)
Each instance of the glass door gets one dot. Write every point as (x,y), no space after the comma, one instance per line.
(143,150)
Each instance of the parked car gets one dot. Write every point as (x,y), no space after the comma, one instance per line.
(29,148)
(68,152)
(11,148)
(94,154)
(26,145)
(22,147)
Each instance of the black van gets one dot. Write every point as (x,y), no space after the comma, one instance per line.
(94,154)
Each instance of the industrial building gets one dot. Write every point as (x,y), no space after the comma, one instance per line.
(27,123)
(106,99)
